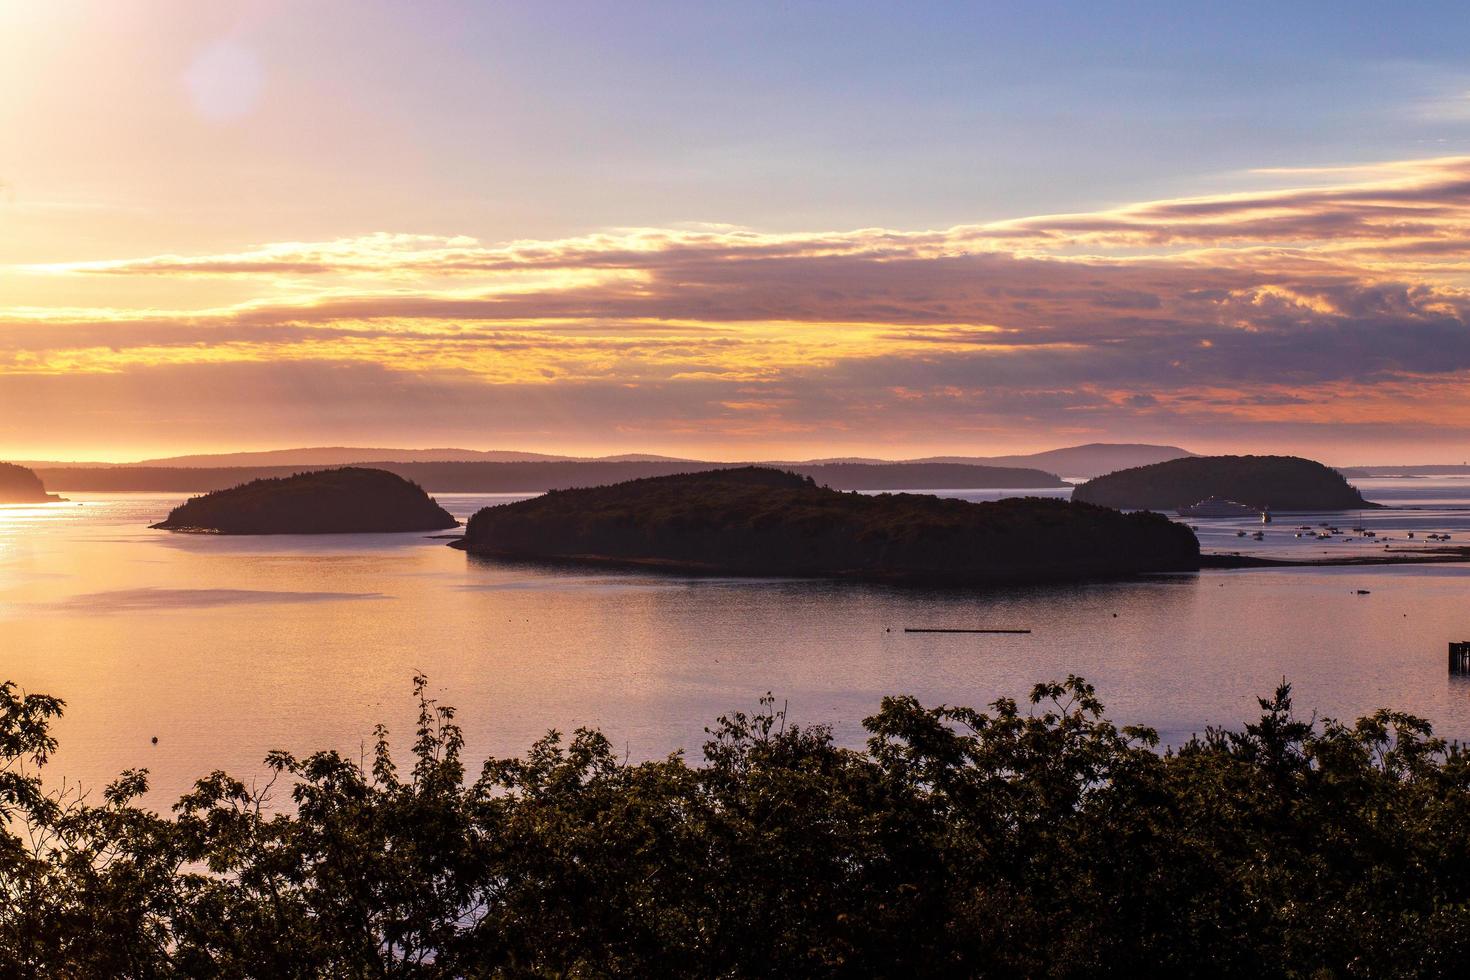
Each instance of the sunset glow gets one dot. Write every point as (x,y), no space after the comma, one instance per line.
(1289,306)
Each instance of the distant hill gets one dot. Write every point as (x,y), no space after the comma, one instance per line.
(19,485)
(534,477)
(338,501)
(926,476)
(631,458)
(760,521)
(1276,482)
(1093,459)
(1075,461)
(1426,469)
(45,464)
(347,455)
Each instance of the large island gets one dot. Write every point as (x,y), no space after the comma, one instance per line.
(1258,482)
(19,485)
(339,501)
(760,521)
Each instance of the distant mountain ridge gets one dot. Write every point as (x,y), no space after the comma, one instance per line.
(538,476)
(1088,460)
(1093,459)
(344,455)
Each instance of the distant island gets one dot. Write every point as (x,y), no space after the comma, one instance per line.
(339,501)
(19,485)
(1093,459)
(530,476)
(761,521)
(1074,461)
(1260,482)
(1406,472)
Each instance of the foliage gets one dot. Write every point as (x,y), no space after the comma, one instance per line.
(342,500)
(761,521)
(1039,840)
(1276,482)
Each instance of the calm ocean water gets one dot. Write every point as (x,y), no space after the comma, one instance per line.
(224,648)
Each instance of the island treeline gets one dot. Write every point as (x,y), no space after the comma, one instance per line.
(19,485)
(1024,840)
(759,521)
(349,499)
(1264,482)
(534,477)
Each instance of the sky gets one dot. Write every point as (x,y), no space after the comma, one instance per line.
(754,230)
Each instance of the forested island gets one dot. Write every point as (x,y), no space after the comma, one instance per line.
(760,521)
(346,500)
(19,485)
(1261,482)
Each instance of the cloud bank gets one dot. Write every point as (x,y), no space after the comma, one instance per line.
(1327,315)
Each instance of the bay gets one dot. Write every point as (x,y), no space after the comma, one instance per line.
(226,647)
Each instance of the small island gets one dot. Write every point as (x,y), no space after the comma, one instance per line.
(1258,482)
(19,485)
(767,522)
(349,500)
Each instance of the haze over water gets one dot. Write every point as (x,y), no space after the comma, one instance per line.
(226,647)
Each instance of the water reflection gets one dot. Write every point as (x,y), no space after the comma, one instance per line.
(224,648)
(156,599)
